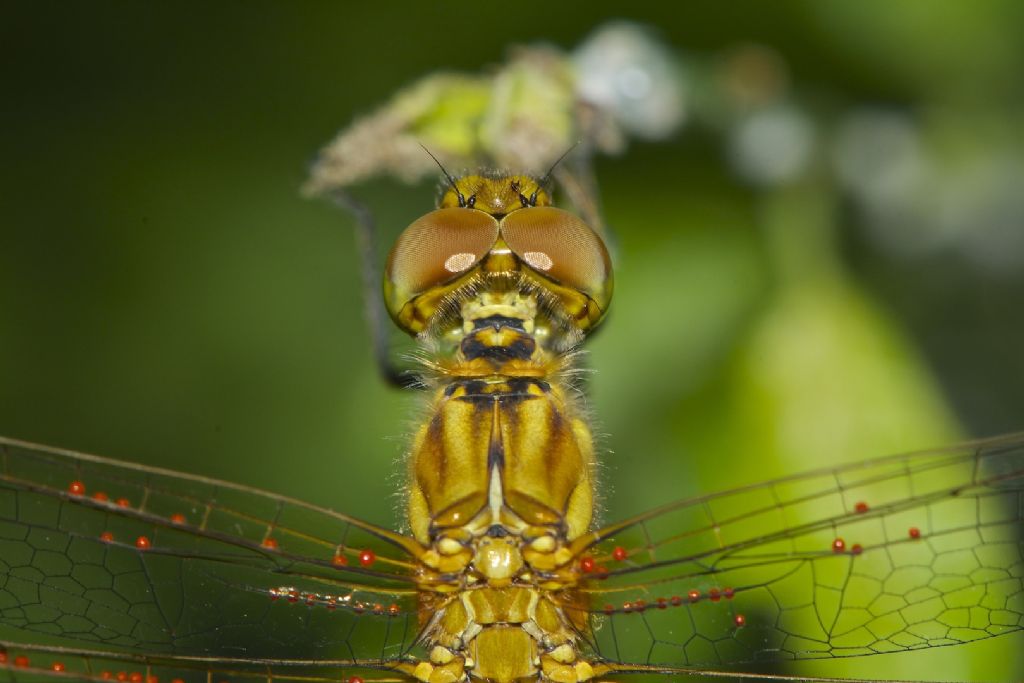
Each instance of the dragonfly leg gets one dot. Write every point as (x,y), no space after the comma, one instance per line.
(376,316)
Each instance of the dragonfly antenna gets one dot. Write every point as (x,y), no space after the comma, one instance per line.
(547,176)
(451,181)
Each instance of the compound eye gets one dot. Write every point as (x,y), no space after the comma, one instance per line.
(561,247)
(435,249)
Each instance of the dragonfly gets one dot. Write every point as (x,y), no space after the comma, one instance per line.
(110,570)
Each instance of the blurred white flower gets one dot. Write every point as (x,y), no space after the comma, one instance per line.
(982,205)
(877,156)
(915,200)
(772,145)
(623,70)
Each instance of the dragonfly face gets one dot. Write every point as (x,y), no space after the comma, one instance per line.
(109,570)
(499,237)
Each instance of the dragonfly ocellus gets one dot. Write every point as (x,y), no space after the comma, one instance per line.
(116,571)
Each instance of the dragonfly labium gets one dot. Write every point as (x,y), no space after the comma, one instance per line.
(111,570)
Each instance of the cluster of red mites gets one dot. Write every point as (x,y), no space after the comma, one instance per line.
(839,545)
(77,488)
(694,596)
(588,565)
(294,595)
(22,662)
(133,677)
(366,557)
(377,608)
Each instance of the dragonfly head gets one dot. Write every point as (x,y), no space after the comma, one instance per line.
(495,194)
(497,234)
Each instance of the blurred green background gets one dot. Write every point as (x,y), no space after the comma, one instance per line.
(167,296)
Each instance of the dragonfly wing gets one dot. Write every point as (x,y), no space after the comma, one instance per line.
(900,553)
(136,560)
(21,663)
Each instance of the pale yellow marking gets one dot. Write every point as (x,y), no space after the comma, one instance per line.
(456,263)
(441,655)
(449,546)
(563,653)
(473,628)
(495,496)
(538,260)
(543,544)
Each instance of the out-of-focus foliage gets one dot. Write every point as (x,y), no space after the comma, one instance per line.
(525,114)
(824,260)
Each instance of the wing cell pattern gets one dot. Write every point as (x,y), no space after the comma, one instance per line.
(138,560)
(902,553)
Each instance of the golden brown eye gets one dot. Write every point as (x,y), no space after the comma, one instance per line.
(436,248)
(561,247)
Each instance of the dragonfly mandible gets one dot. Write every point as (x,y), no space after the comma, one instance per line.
(116,571)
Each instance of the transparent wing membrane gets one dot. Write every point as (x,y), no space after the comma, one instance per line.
(141,560)
(49,663)
(902,553)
